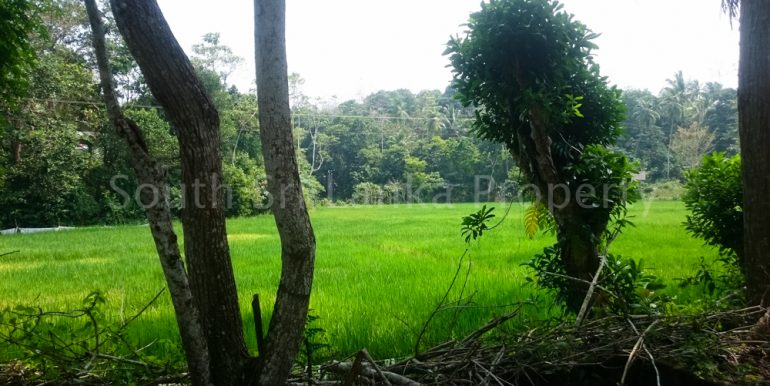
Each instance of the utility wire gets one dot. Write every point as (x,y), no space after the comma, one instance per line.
(320,115)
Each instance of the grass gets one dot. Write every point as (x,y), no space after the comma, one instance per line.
(379,272)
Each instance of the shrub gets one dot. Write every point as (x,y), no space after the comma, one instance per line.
(394,192)
(669,190)
(367,193)
(625,286)
(245,195)
(714,198)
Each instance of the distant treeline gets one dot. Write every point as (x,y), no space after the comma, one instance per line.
(62,164)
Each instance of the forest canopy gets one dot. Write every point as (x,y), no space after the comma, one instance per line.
(62,165)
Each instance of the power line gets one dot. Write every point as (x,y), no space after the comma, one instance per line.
(299,115)
(86,103)
(375,117)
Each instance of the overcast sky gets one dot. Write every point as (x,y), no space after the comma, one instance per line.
(350,48)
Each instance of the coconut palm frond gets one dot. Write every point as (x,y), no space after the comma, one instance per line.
(730,7)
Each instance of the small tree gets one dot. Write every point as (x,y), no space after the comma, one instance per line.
(527,68)
(714,198)
(691,143)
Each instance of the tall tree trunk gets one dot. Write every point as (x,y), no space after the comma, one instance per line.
(174,84)
(754,117)
(579,246)
(291,217)
(151,173)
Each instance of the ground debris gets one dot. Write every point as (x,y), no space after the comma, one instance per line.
(715,348)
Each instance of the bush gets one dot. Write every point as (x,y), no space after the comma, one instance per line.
(625,286)
(714,198)
(246,195)
(367,193)
(394,192)
(669,190)
(81,346)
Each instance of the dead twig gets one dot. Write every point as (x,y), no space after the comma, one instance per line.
(585,307)
(635,350)
(374,364)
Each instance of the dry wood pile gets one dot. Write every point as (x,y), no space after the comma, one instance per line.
(644,350)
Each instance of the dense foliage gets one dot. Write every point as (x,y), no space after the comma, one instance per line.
(527,69)
(522,58)
(670,133)
(16,53)
(61,163)
(714,199)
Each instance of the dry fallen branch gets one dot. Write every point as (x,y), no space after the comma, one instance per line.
(639,344)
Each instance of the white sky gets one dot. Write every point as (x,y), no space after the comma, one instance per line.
(350,48)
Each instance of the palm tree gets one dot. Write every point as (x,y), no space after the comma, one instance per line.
(646,113)
(674,102)
(731,8)
(450,120)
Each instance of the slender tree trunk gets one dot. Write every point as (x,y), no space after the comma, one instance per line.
(291,217)
(174,84)
(754,116)
(17,151)
(151,173)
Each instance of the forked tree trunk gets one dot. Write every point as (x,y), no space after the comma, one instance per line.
(174,84)
(291,216)
(151,173)
(754,116)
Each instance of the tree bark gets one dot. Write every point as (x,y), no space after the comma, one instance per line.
(17,152)
(291,217)
(578,233)
(151,173)
(579,242)
(174,84)
(754,121)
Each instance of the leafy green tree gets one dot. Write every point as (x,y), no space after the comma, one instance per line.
(246,195)
(721,118)
(526,66)
(17,55)
(368,193)
(215,57)
(423,184)
(17,59)
(456,161)
(52,142)
(714,198)
(46,187)
(642,137)
(674,102)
